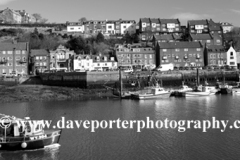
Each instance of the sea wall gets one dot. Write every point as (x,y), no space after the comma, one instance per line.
(110,78)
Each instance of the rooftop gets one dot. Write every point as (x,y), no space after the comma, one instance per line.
(173,45)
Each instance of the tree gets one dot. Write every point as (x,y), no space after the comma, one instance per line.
(37,16)
(83,19)
(100,38)
(77,44)
(43,20)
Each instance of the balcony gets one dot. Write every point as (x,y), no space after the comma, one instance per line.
(4,61)
(22,61)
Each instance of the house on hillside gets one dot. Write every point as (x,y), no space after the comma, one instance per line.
(10,16)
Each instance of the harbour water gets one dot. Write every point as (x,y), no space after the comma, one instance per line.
(124,144)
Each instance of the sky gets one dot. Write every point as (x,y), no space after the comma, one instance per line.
(60,11)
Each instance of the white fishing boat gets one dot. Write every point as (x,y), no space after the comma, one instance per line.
(155,92)
(201,91)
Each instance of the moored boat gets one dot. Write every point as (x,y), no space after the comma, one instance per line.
(20,134)
(155,92)
(201,91)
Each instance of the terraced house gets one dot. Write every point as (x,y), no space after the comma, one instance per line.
(135,55)
(181,54)
(155,26)
(14,57)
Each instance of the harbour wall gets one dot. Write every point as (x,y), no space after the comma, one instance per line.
(110,78)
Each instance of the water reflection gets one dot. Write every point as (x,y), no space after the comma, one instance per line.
(48,153)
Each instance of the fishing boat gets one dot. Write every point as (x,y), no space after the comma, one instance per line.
(201,91)
(181,91)
(155,92)
(21,134)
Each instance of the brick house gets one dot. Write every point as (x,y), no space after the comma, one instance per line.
(135,55)
(215,55)
(198,26)
(39,60)
(203,38)
(215,28)
(14,57)
(179,53)
(170,26)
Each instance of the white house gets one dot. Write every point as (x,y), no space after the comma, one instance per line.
(83,62)
(104,63)
(227,27)
(75,27)
(231,57)
(128,26)
(110,27)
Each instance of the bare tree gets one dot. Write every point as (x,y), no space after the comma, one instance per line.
(37,16)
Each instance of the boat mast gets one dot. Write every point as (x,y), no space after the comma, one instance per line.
(120,81)
(197,81)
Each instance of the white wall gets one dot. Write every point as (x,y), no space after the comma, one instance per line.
(231,59)
(75,28)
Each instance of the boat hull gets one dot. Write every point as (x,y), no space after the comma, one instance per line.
(151,96)
(198,94)
(16,143)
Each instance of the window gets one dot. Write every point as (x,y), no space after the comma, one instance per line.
(198,49)
(109,27)
(208,41)
(23,52)
(9,64)
(37,57)
(10,58)
(185,49)
(232,63)
(177,50)
(164,50)
(231,53)
(18,58)
(150,56)
(3,52)
(9,52)
(218,41)
(17,51)
(146,56)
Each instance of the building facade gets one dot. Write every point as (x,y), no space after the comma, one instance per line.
(75,27)
(181,54)
(135,55)
(231,57)
(198,26)
(227,27)
(104,63)
(39,60)
(82,62)
(60,59)
(14,57)
(10,16)
(215,55)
